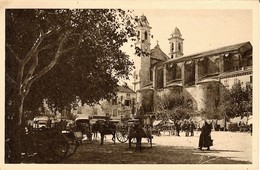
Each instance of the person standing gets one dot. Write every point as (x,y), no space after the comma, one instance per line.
(177,127)
(205,136)
(191,127)
(186,128)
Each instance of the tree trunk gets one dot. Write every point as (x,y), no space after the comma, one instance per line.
(16,130)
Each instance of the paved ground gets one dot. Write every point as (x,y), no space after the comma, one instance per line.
(233,145)
(229,148)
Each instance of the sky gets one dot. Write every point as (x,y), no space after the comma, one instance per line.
(201,30)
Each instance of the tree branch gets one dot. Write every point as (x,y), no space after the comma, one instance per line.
(15,55)
(34,47)
(81,35)
(67,50)
(49,46)
(32,68)
(10,78)
(52,63)
(33,54)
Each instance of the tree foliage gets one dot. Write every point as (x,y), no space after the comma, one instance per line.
(239,101)
(58,54)
(172,106)
(235,102)
(170,101)
(81,47)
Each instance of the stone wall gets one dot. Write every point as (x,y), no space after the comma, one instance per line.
(201,97)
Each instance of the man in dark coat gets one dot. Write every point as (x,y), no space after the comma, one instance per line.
(192,127)
(177,127)
(185,127)
(205,137)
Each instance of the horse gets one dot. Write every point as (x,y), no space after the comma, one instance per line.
(106,128)
(85,128)
(95,130)
(138,132)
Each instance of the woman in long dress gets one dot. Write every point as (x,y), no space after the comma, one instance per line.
(205,137)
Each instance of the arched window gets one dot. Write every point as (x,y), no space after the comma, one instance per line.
(145,35)
(179,46)
(172,46)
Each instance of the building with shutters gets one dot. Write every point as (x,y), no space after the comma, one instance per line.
(121,106)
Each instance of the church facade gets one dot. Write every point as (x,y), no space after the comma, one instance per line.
(200,77)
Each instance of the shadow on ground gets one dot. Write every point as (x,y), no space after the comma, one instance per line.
(93,153)
(120,153)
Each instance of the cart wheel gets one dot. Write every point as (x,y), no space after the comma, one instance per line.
(44,151)
(122,136)
(59,147)
(72,145)
(133,140)
(51,146)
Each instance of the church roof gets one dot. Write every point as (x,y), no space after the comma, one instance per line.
(143,22)
(176,32)
(225,49)
(125,89)
(158,54)
(231,48)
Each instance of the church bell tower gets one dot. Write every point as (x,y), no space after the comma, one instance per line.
(143,42)
(176,44)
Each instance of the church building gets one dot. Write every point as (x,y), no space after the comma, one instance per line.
(200,77)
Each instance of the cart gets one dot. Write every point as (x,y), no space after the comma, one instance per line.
(50,144)
(137,130)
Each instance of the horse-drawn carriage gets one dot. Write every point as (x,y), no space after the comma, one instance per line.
(136,131)
(132,130)
(46,143)
(91,126)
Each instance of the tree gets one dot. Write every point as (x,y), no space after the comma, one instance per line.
(172,106)
(234,102)
(239,102)
(61,53)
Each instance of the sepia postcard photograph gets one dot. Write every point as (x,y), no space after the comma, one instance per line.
(130,84)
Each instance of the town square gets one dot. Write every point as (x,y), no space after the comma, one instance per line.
(130,86)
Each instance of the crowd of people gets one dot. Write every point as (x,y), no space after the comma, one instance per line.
(188,127)
(175,128)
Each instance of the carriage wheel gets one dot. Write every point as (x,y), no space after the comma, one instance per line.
(59,147)
(51,146)
(72,146)
(133,140)
(122,136)
(44,151)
